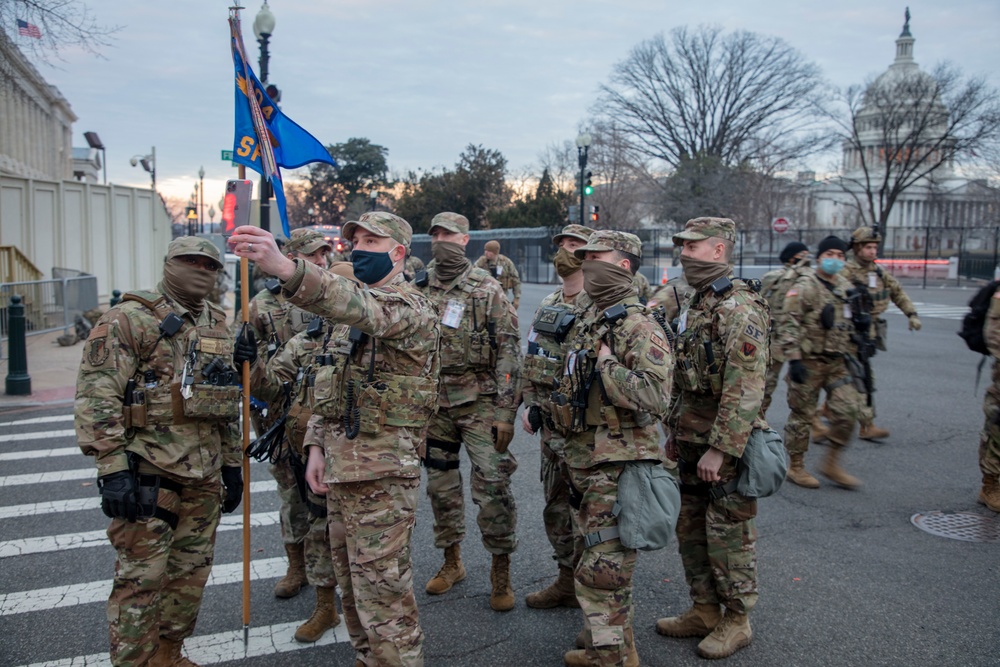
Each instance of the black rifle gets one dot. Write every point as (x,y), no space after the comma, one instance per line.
(861,316)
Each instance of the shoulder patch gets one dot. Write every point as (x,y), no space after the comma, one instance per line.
(792,292)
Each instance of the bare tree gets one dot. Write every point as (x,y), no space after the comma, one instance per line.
(737,98)
(561,163)
(62,23)
(621,174)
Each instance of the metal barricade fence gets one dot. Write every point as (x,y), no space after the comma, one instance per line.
(49,305)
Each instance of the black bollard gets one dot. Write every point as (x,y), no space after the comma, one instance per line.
(18,380)
(116,297)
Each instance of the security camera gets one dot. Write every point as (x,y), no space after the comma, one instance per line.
(133,162)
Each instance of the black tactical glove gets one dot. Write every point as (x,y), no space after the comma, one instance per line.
(119,496)
(232,479)
(246,346)
(797,372)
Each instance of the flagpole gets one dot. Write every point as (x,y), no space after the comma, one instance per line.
(245,309)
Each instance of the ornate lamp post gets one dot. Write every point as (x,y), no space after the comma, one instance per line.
(263,28)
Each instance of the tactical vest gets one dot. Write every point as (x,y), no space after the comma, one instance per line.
(469,347)
(545,359)
(204,384)
(827,331)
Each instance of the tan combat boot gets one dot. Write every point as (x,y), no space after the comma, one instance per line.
(797,473)
(169,655)
(819,431)
(323,617)
(830,468)
(580,657)
(989,495)
(295,578)
(870,431)
(698,621)
(562,592)
(729,636)
(452,572)
(502,596)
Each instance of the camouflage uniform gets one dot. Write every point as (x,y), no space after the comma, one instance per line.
(671,297)
(989,440)
(722,359)
(614,426)
(773,287)
(374,478)
(642,287)
(413,266)
(160,573)
(503,269)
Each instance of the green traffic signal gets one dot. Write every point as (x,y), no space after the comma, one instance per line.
(588,187)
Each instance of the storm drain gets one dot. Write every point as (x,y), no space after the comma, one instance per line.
(965,526)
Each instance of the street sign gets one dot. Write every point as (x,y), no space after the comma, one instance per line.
(227,156)
(780,225)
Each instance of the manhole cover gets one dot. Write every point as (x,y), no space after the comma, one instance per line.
(965,526)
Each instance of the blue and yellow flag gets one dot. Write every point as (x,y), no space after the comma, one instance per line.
(287,145)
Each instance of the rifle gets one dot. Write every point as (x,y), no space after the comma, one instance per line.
(861,306)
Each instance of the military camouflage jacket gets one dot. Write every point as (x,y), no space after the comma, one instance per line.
(125,344)
(665,297)
(480,341)
(412,266)
(395,407)
(546,357)
(642,287)
(773,287)
(629,390)
(882,286)
(503,270)
(275,321)
(722,361)
(802,331)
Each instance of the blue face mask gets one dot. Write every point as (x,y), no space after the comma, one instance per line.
(371,267)
(831,265)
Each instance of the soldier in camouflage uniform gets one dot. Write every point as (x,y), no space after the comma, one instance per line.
(642,287)
(606,424)
(480,392)
(815,335)
(375,397)
(168,452)
(670,297)
(502,268)
(721,365)
(543,365)
(414,265)
(989,440)
(882,287)
(773,286)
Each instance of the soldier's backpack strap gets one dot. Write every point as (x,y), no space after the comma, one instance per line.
(157,304)
(475,279)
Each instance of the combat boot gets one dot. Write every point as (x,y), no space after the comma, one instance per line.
(562,592)
(989,495)
(580,658)
(872,432)
(729,636)
(323,617)
(797,473)
(452,572)
(818,431)
(295,578)
(698,621)
(830,468)
(502,596)
(169,655)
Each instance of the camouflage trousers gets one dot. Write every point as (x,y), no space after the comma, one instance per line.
(603,575)
(842,398)
(470,424)
(160,574)
(558,514)
(989,439)
(299,525)
(866,413)
(371,525)
(770,384)
(717,539)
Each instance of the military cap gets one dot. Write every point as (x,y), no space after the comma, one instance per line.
(831,243)
(575,232)
(863,235)
(381,224)
(194,245)
(307,241)
(455,223)
(609,239)
(699,229)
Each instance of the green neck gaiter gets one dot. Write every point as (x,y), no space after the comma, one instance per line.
(449,260)
(187,285)
(566,263)
(700,273)
(606,283)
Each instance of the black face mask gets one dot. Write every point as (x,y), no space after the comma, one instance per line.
(371,267)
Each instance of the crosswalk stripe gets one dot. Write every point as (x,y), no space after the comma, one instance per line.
(224,646)
(38,435)
(39,420)
(934,311)
(47,477)
(40,453)
(94,502)
(95,538)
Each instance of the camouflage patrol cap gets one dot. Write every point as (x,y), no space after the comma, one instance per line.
(574,232)
(381,224)
(194,245)
(609,239)
(307,241)
(699,229)
(863,235)
(455,223)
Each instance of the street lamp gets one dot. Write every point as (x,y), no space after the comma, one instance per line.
(211,215)
(191,217)
(374,197)
(201,199)
(94,141)
(582,145)
(148,163)
(263,28)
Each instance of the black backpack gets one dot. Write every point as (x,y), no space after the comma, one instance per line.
(975,319)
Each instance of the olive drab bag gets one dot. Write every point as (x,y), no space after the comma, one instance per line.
(648,505)
(762,468)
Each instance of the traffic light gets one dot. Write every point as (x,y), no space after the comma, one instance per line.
(595,213)
(588,186)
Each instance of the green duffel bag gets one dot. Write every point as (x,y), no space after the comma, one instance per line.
(649,502)
(763,465)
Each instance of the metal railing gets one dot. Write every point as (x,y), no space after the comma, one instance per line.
(49,305)
(15,265)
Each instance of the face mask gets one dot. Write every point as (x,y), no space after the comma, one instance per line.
(566,263)
(831,265)
(606,283)
(449,259)
(700,273)
(371,267)
(188,284)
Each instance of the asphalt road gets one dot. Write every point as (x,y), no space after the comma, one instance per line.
(845,578)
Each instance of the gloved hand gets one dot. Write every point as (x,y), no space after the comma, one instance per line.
(797,372)
(119,496)
(517,302)
(914,322)
(232,480)
(503,433)
(246,346)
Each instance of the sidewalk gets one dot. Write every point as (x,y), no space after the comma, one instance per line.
(52,369)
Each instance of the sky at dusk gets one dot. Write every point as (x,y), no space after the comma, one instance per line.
(426,78)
